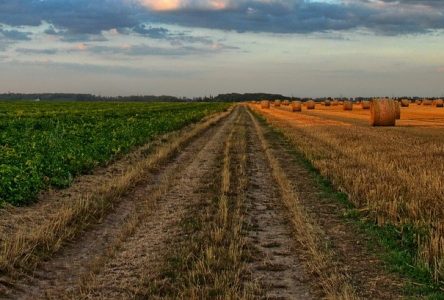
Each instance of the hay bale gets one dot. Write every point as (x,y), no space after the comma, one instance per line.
(439,103)
(295,106)
(277,103)
(383,112)
(418,102)
(348,105)
(327,103)
(365,104)
(265,104)
(405,103)
(286,103)
(427,102)
(334,103)
(398,110)
(310,104)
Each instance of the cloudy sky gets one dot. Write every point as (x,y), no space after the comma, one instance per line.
(202,47)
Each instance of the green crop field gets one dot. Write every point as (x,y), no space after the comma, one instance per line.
(45,144)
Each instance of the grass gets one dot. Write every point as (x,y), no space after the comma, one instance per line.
(209,263)
(332,280)
(398,245)
(395,174)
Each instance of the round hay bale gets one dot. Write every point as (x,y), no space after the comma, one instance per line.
(334,103)
(286,103)
(439,103)
(310,104)
(398,110)
(383,112)
(427,102)
(405,103)
(327,103)
(295,106)
(348,105)
(341,102)
(265,104)
(418,102)
(277,103)
(365,104)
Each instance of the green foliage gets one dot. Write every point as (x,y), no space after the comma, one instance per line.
(48,144)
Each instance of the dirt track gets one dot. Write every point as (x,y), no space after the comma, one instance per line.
(124,253)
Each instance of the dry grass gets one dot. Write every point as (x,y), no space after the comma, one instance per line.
(214,257)
(321,260)
(395,174)
(28,244)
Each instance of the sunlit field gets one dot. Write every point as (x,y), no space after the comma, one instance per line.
(393,174)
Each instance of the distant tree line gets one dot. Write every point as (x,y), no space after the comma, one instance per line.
(231,97)
(87,97)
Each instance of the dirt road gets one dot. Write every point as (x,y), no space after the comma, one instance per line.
(217,218)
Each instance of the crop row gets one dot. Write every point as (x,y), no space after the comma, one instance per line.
(49,144)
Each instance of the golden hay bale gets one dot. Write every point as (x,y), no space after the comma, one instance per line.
(265,104)
(286,103)
(365,104)
(310,104)
(383,112)
(418,102)
(405,103)
(277,103)
(439,103)
(348,105)
(427,102)
(327,103)
(295,106)
(334,103)
(398,110)
(341,102)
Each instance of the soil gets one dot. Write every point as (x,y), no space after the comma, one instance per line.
(275,266)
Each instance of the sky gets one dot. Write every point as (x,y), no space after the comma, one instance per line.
(305,48)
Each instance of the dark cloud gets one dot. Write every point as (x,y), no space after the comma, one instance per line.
(36,51)
(152,32)
(85,20)
(175,38)
(308,17)
(15,35)
(147,50)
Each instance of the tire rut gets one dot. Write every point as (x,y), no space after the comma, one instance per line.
(61,276)
(274,265)
(141,257)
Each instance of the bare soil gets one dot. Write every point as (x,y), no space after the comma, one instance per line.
(275,264)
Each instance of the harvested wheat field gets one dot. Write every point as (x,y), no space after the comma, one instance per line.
(392,175)
(242,201)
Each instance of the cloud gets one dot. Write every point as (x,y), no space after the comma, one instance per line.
(298,16)
(15,35)
(171,5)
(86,20)
(36,51)
(148,50)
